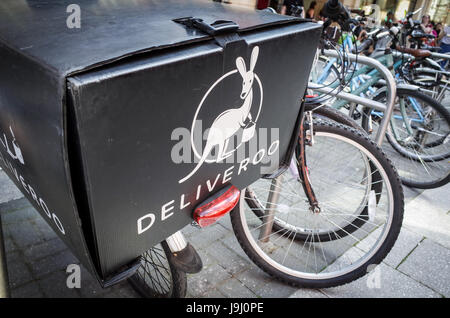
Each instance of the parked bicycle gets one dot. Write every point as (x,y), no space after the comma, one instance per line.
(417,138)
(312,230)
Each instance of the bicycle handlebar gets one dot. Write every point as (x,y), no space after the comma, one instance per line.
(335,11)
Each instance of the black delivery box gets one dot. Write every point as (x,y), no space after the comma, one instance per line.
(116,127)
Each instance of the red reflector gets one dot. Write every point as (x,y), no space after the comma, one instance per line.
(312,96)
(209,211)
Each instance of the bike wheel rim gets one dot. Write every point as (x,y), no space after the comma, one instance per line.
(356,265)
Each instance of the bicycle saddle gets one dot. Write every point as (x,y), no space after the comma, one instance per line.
(414,52)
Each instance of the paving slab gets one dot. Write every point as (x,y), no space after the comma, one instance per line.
(53,263)
(14,205)
(124,290)
(20,215)
(235,289)
(308,293)
(232,243)
(439,197)
(429,264)
(8,189)
(90,287)
(30,290)
(10,246)
(24,234)
(275,289)
(411,193)
(200,283)
(44,229)
(254,278)
(214,293)
(39,251)
(55,285)
(428,215)
(205,237)
(406,242)
(226,222)
(383,281)
(18,271)
(228,259)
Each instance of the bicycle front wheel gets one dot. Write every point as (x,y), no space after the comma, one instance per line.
(338,174)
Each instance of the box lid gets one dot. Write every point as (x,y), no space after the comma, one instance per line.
(111,30)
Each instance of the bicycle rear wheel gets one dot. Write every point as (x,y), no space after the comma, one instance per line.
(158,277)
(417,140)
(342,195)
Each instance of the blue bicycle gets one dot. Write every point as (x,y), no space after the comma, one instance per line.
(418,137)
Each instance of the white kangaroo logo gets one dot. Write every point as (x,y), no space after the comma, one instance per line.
(230,121)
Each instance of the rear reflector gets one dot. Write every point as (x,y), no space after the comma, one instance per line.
(212,209)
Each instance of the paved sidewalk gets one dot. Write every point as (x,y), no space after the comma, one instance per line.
(418,265)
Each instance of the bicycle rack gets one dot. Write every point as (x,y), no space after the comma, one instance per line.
(391,91)
(440,55)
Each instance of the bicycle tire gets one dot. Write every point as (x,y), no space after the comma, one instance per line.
(406,155)
(256,254)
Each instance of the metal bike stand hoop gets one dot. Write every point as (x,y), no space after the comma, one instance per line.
(390,84)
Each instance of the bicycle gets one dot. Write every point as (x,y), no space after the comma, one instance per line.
(291,214)
(404,149)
